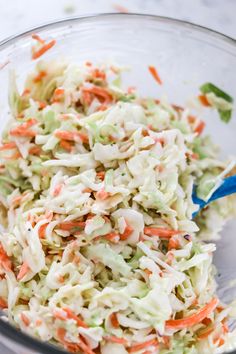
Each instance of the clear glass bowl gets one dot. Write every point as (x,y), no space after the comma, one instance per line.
(186,56)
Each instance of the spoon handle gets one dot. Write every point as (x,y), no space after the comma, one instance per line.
(228,187)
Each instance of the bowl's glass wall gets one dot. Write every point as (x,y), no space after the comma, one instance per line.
(186,56)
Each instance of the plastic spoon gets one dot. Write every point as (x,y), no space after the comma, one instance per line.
(228,187)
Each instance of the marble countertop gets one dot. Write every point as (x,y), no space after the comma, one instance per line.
(19,15)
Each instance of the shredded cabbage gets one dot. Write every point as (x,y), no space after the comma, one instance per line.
(99,252)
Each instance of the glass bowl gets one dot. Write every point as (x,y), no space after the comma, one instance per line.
(186,56)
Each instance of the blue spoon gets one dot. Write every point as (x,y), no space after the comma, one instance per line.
(228,187)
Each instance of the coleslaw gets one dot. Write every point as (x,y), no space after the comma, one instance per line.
(99,252)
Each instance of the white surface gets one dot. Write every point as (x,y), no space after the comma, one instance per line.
(19,15)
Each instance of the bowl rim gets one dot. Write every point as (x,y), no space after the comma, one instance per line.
(164,19)
(7,330)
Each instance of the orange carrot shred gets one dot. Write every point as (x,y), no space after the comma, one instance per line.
(45,47)
(35,150)
(25,319)
(205,334)
(69,225)
(155,74)
(173,244)
(193,319)
(161,232)
(139,346)
(66,145)
(204,101)
(200,127)
(128,231)
(3,303)
(38,38)
(42,231)
(8,146)
(72,315)
(26,92)
(5,261)
(114,320)
(112,237)
(115,339)
(23,271)
(40,76)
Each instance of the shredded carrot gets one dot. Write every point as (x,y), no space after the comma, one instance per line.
(58,94)
(101,93)
(193,319)
(128,231)
(71,136)
(38,322)
(28,124)
(41,104)
(161,232)
(115,339)
(166,340)
(204,334)
(173,244)
(25,319)
(112,237)
(200,127)
(102,194)
(42,231)
(225,327)
(23,271)
(40,76)
(139,346)
(101,175)
(155,74)
(204,101)
(26,92)
(205,321)
(35,150)
(102,107)
(71,347)
(219,340)
(66,145)
(114,320)
(5,261)
(72,315)
(61,279)
(8,146)
(22,132)
(88,63)
(120,8)
(57,190)
(69,225)
(191,119)
(3,303)
(45,47)
(148,272)
(85,347)
(38,38)
(87,190)
(14,156)
(98,74)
